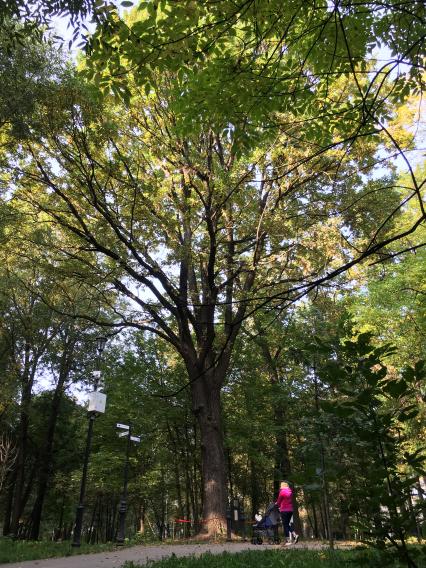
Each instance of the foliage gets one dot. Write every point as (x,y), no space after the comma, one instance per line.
(274,46)
(374,406)
(392,306)
(29,78)
(22,20)
(390,301)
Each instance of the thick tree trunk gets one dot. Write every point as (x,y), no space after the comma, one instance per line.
(207,408)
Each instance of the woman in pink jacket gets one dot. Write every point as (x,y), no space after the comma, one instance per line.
(285,505)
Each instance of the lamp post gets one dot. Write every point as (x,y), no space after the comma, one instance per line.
(97,402)
(127,431)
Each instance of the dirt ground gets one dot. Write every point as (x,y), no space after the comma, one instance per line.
(142,554)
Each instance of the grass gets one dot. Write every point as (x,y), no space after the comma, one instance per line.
(18,550)
(297,558)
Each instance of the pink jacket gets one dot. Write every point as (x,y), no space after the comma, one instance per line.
(284,501)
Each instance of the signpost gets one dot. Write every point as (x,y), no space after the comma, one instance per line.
(126,432)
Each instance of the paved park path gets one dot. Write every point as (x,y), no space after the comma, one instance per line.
(142,554)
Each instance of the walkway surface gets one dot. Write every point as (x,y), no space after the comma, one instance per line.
(142,554)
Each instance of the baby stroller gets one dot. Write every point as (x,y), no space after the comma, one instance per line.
(267,527)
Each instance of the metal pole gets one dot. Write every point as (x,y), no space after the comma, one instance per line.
(80,508)
(228,522)
(123,502)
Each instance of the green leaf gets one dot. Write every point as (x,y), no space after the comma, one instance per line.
(420,369)
(396,388)
(405,416)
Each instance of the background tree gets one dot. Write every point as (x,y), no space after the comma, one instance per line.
(21,21)
(391,305)
(377,405)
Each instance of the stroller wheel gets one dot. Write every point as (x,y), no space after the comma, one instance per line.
(259,540)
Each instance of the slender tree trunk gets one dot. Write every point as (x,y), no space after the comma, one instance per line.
(188,497)
(414,517)
(9,504)
(191,509)
(196,486)
(254,483)
(46,457)
(421,482)
(191,504)
(91,531)
(61,521)
(282,467)
(176,452)
(7,465)
(141,518)
(229,471)
(315,519)
(326,497)
(114,518)
(100,518)
(324,533)
(22,454)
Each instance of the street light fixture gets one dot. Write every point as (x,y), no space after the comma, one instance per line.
(97,401)
(126,431)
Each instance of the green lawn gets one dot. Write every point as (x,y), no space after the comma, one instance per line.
(283,558)
(17,550)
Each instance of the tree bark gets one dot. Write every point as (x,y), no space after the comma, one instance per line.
(9,504)
(176,452)
(27,384)
(254,484)
(46,462)
(207,409)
